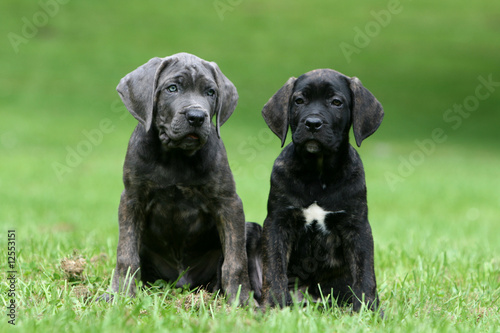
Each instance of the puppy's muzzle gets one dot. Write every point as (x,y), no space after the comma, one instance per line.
(196,117)
(313,124)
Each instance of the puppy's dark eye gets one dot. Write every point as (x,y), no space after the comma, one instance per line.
(210,92)
(172,88)
(299,101)
(337,102)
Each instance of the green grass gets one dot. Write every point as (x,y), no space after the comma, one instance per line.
(437,249)
(437,262)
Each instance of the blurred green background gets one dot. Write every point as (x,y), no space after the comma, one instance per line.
(60,62)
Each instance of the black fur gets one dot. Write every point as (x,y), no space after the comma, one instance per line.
(321,171)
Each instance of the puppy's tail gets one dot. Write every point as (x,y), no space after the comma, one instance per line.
(254,254)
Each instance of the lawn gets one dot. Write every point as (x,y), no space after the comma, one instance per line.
(432,168)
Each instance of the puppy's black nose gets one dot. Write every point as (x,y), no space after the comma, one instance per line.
(313,124)
(195,118)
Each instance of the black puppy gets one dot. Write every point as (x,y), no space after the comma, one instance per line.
(180,217)
(316,235)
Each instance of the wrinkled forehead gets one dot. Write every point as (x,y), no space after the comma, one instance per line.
(321,81)
(189,71)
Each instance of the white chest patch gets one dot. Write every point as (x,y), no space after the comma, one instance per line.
(315,213)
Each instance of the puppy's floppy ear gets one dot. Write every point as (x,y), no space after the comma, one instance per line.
(138,90)
(275,112)
(227,98)
(367,112)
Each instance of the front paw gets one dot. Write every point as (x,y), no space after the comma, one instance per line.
(238,294)
(371,304)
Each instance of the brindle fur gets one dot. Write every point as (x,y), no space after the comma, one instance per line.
(180,218)
(320,166)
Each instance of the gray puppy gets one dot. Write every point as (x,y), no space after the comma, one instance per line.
(180,218)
